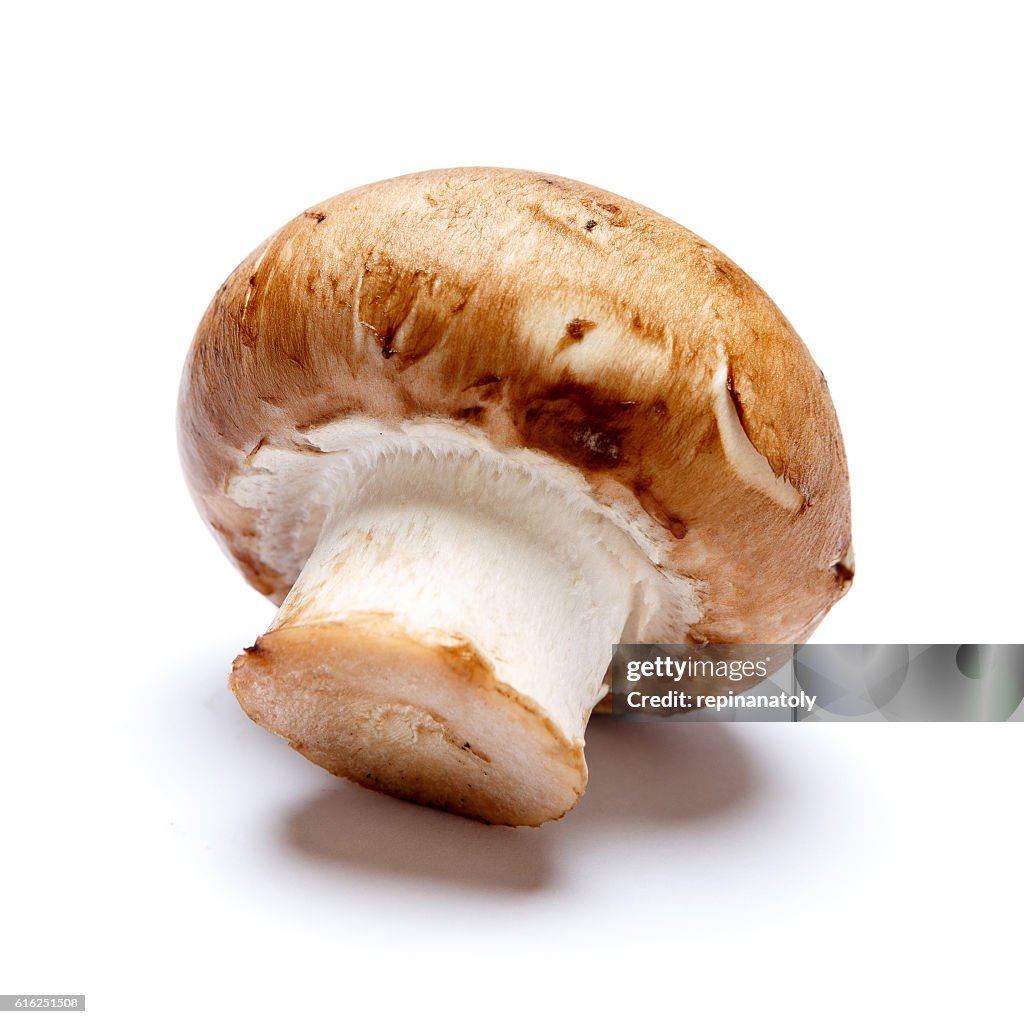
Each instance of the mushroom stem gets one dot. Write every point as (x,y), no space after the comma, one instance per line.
(436,570)
(469,557)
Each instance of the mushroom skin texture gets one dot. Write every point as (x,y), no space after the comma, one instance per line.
(471,427)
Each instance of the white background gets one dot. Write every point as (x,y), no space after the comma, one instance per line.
(863,163)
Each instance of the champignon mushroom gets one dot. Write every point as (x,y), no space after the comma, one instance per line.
(472,427)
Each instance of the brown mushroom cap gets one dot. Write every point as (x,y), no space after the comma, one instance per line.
(542,313)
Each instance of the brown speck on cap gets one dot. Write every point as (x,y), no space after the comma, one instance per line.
(843,572)
(575,330)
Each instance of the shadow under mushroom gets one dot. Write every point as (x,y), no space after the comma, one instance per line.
(652,776)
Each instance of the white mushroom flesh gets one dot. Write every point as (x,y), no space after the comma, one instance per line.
(462,543)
